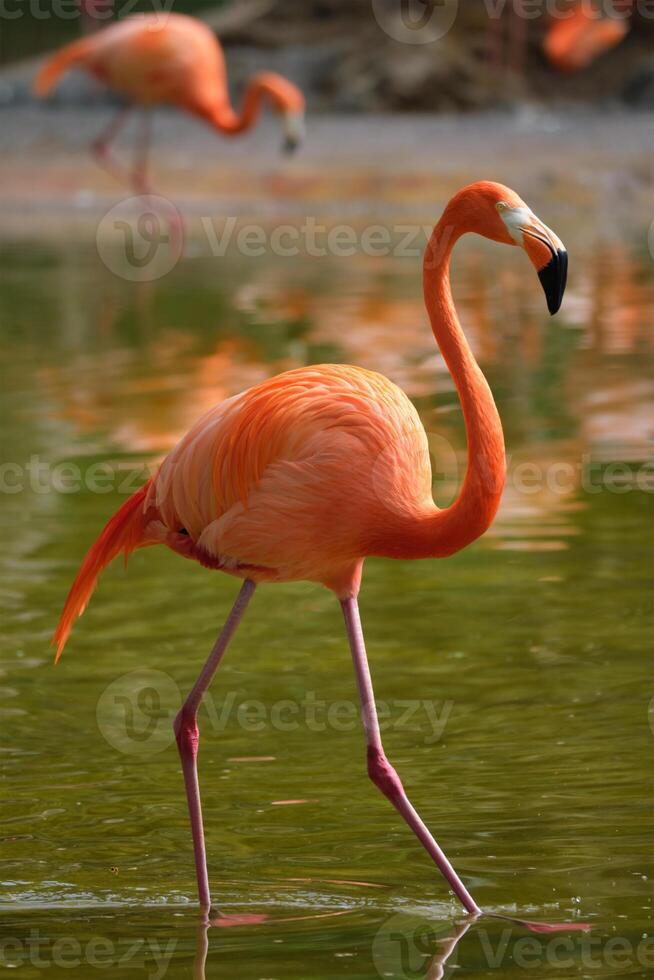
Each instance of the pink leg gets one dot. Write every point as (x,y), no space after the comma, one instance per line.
(140,171)
(141,183)
(188,738)
(517,42)
(379,768)
(494,42)
(100,146)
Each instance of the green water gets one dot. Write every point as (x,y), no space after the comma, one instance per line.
(517,675)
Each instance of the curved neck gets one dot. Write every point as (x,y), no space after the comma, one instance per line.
(443,532)
(225,119)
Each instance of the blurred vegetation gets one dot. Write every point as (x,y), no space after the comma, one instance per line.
(30,27)
(346,55)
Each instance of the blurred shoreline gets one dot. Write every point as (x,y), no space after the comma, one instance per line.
(596,163)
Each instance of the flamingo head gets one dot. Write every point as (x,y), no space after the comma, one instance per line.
(287,99)
(498,213)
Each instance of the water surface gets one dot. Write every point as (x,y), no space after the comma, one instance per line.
(516,676)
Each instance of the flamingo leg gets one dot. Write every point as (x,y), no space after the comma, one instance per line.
(140,170)
(494,42)
(379,768)
(100,146)
(141,182)
(517,42)
(188,738)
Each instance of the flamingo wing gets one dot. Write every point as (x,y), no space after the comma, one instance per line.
(289,476)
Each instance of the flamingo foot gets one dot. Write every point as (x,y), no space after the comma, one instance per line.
(543,928)
(223,921)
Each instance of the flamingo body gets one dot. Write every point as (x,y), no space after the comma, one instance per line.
(298,478)
(154,59)
(178,61)
(150,59)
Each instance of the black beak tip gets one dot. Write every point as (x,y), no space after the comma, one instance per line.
(290,145)
(554,277)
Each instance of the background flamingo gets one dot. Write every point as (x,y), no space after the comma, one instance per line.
(572,42)
(174,59)
(575,41)
(308,473)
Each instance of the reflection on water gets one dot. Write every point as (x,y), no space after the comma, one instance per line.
(532,644)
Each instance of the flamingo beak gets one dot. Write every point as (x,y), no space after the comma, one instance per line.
(293,131)
(550,259)
(290,145)
(545,249)
(554,277)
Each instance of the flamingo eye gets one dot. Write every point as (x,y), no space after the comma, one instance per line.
(502,206)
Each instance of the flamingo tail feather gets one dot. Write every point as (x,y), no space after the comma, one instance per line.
(124,532)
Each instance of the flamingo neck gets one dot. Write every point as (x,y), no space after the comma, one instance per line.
(224,118)
(439,533)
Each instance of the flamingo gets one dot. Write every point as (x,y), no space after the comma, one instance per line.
(308,473)
(575,41)
(177,60)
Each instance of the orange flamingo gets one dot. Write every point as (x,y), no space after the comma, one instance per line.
(573,42)
(306,474)
(177,60)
